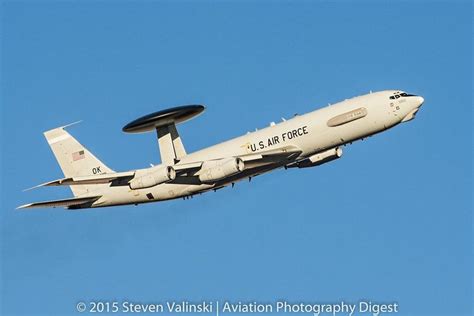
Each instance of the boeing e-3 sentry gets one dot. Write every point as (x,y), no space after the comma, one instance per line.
(303,141)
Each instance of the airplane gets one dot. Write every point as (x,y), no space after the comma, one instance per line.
(303,141)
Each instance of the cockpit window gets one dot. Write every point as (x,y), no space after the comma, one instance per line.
(403,94)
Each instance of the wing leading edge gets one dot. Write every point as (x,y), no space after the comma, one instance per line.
(93,179)
(68,203)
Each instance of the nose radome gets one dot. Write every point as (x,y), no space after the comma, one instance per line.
(419,100)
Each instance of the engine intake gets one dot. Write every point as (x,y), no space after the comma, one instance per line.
(147,178)
(215,170)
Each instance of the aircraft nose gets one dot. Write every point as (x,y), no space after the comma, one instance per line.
(419,101)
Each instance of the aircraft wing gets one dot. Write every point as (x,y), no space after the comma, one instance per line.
(116,177)
(186,172)
(269,156)
(283,154)
(186,167)
(274,156)
(69,203)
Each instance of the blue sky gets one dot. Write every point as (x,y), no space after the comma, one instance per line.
(390,221)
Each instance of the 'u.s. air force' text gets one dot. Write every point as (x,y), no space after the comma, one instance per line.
(277,139)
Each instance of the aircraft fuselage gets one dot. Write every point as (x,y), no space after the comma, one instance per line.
(312,133)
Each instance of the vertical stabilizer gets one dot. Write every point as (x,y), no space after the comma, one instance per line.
(74,159)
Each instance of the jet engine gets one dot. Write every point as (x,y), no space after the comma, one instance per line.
(146,178)
(215,170)
(319,159)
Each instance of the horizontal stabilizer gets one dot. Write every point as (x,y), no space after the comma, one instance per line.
(94,179)
(69,203)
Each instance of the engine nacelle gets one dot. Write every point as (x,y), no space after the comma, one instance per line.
(147,178)
(319,159)
(215,170)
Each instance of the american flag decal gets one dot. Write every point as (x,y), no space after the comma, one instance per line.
(78,155)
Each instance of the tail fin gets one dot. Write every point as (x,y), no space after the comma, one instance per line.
(74,159)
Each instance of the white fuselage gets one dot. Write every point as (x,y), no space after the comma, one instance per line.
(312,133)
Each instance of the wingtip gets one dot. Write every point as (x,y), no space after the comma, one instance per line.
(29,189)
(44,184)
(71,124)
